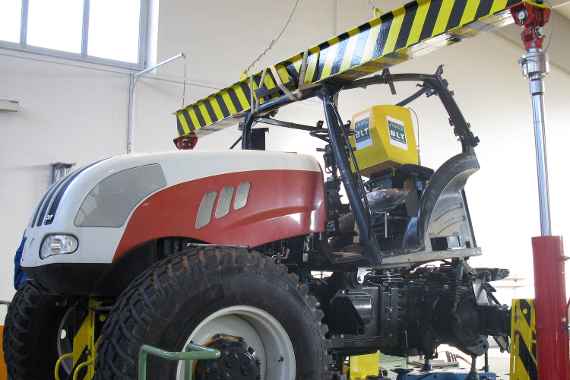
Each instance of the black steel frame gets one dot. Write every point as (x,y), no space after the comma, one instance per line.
(430,84)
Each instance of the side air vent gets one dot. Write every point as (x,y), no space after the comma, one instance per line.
(223,205)
(112,200)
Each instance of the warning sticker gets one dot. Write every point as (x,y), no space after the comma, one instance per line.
(362,133)
(397,133)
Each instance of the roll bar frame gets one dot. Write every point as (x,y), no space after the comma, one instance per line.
(430,84)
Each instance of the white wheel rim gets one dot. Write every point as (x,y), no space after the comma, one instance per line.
(260,330)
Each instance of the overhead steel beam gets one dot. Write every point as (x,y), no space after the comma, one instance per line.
(417,28)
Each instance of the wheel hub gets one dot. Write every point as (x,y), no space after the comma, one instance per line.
(237,361)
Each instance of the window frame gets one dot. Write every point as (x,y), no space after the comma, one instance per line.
(144,24)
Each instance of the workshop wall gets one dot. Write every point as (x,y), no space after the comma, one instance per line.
(78,114)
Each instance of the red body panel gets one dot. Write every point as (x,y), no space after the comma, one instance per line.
(281,204)
(551,308)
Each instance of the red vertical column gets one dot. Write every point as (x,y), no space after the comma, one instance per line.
(551,308)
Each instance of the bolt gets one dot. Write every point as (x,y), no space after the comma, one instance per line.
(521,15)
(540,32)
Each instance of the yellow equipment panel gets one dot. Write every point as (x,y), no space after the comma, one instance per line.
(383,138)
(523,340)
(363,366)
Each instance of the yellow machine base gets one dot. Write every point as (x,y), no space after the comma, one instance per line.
(362,366)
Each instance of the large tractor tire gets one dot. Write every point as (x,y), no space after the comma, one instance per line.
(31,334)
(261,318)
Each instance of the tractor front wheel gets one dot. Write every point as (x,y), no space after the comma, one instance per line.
(31,334)
(265,323)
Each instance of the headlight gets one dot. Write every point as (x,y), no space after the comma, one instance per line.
(58,245)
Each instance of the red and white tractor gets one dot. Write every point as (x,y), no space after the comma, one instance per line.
(285,267)
(228,250)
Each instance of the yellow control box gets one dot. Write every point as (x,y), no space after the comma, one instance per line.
(383,138)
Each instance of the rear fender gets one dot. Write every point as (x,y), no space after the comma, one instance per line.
(443,209)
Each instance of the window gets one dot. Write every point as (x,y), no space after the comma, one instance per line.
(100,31)
(113,31)
(10,16)
(56,24)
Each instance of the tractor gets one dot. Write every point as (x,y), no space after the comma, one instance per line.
(284,266)
(258,255)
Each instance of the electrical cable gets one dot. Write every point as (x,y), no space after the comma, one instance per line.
(276,39)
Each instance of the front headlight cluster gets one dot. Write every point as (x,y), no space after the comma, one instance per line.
(59,244)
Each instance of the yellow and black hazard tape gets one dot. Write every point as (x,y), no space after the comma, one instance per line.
(414,29)
(523,341)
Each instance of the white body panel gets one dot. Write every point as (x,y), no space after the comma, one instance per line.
(98,244)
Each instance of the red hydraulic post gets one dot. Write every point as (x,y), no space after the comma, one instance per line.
(548,255)
(551,308)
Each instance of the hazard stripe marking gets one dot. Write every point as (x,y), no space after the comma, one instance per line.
(431,18)
(210,110)
(234,99)
(484,8)
(397,36)
(222,105)
(406,27)
(456,13)
(527,360)
(345,39)
(370,45)
(181,130)
(470,11)
(417,25)
(358,54)
(523,339)
(382,36)
(199,115)
(204,112)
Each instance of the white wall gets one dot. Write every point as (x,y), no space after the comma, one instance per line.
(79,115)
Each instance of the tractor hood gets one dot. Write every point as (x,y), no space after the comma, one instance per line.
(82,217)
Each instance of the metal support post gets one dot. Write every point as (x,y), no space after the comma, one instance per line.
(548,254)
(535,67)
(133,78)
(551,308)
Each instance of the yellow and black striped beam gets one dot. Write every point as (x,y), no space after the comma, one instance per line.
(523,341)
(417,28)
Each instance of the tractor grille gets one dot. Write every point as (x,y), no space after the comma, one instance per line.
(49,204)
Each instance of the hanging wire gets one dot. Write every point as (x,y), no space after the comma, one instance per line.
(376,12)
(276,39)
(184,81)
(418,144)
